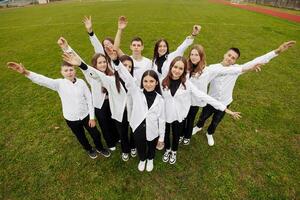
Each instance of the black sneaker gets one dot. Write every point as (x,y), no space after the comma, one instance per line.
(104,152)
(92,153)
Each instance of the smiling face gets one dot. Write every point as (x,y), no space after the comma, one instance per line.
(195,57)
(177,70)
(162,48)
(68,72)
(101,64)
(149,83)
(230,58)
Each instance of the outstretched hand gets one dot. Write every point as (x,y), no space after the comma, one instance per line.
(63,43)
(196,30)
(18,67)
(235,115)
(122,23)
(87,20)
(285,46)
(72,59)
(111,52)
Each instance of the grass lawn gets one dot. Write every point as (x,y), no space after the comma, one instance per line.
(254,158)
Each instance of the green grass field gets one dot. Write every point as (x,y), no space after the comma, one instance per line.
(254,158)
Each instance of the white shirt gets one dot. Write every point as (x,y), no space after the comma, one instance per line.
(170,57)
(155,118)
(177,106)
(140,66)
(221,87)
(75,97)
(117,101)
(208,74)
(96,87)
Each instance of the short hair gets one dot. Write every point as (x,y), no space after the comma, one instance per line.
(236,50)
(138,39)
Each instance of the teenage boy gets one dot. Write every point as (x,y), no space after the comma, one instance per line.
(221,87)
(76,100)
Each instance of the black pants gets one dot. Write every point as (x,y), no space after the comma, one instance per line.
(131,140)
(189,122)
(145,148)
(106,124)
(122,128)
(176,132)
(208,111)
(78,130)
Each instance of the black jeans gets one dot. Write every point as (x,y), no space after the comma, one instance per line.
(208,111)
(78,130)
(106,124)
(176,132)
(145,148)
(189,122)
(122,128)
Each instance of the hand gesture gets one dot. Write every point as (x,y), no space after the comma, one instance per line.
(72,59)
(87,20)
(285,46)
(257,67)
(196,30)
(111,52)
(160,145)
(63,43)
(235,115)
(18,67)
(92,123)
(122,23)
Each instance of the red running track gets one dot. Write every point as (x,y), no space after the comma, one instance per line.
(282,15)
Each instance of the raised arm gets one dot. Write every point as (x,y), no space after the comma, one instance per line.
(34,77)
(213,102)
(63,43)
(122,23)
(98,48)
(186,43)
(267,57)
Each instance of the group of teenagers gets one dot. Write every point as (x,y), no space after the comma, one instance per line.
(144,104)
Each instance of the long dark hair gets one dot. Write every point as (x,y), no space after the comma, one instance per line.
(155,53)
(167,81)
(127,58)
(154,75)
(107,71)
(201,64)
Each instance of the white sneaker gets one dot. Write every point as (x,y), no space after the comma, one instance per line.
(186,141)
(173,158)
(196,129)
(112,148)
(133,153)
(141,166)
(180,139)
(149,166)
(125,156)
(210,140)
(166,155)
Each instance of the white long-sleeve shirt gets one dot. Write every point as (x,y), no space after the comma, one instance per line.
(155,115)
(177,106)
(221,87)
(208,74)
(76,99)
(117,101)
(140,66)
(170,57)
